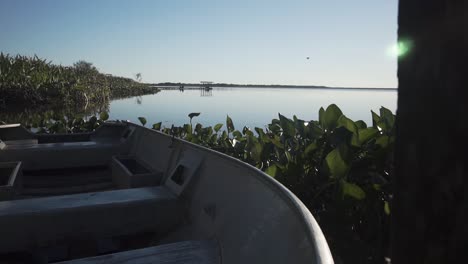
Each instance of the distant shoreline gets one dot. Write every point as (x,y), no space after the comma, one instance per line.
(223,85)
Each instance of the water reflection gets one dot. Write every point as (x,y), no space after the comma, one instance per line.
(139,100)
(246,106)
(250,106)
(29,115)
(204,91)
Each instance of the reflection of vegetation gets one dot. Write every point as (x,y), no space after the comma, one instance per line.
(139,100)
(121,87)
(29,115)
(339,168)
(33,81)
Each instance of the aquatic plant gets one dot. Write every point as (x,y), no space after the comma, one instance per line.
(341,169)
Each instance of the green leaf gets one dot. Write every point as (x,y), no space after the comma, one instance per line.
(217,127)
(299,125)
(198,128)
(157,126)
(207,131)
(314,130)
(336,164)
(188,129)
(341,136)
(237,134)
(213,138)
(382,141)
(229,124)
(386,208)
(375,119)
(367,134)
(256,152)
(275,128)
(385,113)
(103,116)
(142,120)
(277,142)
(272,170)
(287,125)
(322,117)
(78,122)
(224,135)
(352,190)
(260,132)
(347,123)
(92,121)
(310,148)
(361,124)
(289,157)
(192,115)
(387,118)
(331,116)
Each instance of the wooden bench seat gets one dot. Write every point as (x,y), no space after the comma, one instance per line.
(187,252)
(35,223)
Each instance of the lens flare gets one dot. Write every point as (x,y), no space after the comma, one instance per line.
(400,49)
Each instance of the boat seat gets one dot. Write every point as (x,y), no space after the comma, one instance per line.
(33,144)
(187,252)
(23,142)
(60,155)
(40,222)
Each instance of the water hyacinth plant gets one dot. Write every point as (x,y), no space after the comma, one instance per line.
(339,168)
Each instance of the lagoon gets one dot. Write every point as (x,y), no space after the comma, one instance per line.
(249,106)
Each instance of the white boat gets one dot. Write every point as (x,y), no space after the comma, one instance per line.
(128,194)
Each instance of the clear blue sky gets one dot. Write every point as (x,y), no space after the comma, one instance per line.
(233,41)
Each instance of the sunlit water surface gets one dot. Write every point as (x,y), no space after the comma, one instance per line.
(249,106)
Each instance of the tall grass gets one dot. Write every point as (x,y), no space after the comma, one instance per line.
(33,81)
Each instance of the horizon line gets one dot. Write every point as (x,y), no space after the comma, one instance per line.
(214,84)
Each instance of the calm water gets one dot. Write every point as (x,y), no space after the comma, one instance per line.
(249,106)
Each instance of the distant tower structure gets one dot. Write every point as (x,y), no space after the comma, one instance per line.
(206,85)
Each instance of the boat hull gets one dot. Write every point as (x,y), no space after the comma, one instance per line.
(251,216)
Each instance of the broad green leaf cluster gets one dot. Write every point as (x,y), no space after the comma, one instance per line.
(338,167)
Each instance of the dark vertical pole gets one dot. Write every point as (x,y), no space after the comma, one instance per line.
(429,215)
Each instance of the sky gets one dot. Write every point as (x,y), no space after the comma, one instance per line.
(230,41)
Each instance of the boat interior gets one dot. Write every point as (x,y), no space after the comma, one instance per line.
(128,194)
